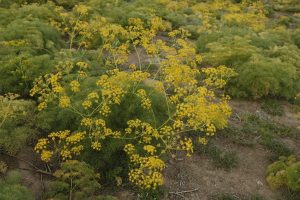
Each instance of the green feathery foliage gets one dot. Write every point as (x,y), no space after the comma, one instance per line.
(16,117)
(10,188)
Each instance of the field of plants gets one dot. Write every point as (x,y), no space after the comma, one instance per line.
(149,99)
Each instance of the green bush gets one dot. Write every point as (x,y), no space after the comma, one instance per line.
(267,62)
(226,35)
(296,37)
(112,159)
(262,77)
(75,180)
(231,51)
(16,122)
(27,46)
(121,11)
(10,188)
(284,173)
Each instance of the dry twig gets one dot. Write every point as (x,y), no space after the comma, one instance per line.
(180,193)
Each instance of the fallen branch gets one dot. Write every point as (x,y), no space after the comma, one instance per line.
(239,118)
(37,170)
(185,191)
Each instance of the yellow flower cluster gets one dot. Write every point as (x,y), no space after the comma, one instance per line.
(202,140)
(187,145)
(42,106)
(62,144)
(87,104)
(98,131)
(96,146)
(248,13)
(75,86)
(146,172)
(81,9)
(146,102)
(181,33)
(52,82)
(218,76)
(64,102)
(46,155)
(82,65)
(210,129)
(150,181)
(104,110)
(178,125)
(144,130)
(200,109)
(42,144)
(150,149)
(111,90)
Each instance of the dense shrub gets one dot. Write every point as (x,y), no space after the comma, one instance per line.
(232,51)
(27,46)
(75,180)
(296,37)
(260,77)
(16,123)
(10,188)
(140,109)
(284,173)
(267,62)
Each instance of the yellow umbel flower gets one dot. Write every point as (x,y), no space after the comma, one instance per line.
(81,9)
(150,149)
(64,102)
(146,103)
(42,106)
(86,122)
(87,104)
(46,155)
(75,86)
(187,145)
(96,145)
(202,140)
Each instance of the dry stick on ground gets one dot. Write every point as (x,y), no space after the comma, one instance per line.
(180,193)
(237,116)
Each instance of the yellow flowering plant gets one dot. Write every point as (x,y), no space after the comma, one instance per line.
(247,13)
(171,70)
